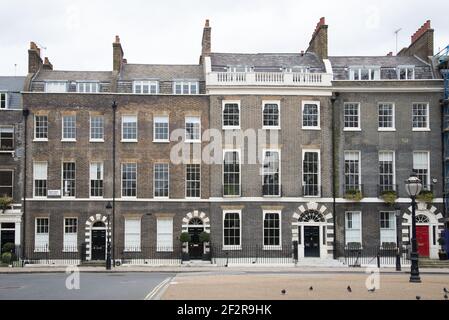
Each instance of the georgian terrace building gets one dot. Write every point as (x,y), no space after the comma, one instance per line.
(333,134)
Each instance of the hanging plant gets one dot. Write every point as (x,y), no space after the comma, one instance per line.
(425,196)
(354,195)
(389,197)
(5,202)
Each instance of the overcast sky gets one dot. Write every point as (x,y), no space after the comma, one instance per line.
(78,35)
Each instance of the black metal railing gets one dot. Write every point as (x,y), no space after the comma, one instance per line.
(381,257)
(271,190)
(252,254)
(46,255)
(153,255)
(312,190)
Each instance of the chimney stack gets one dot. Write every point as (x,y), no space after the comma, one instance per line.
(421,42)
(390,54)
(47,64)
(206,42)
(117,55)
(319,42)
(34,58)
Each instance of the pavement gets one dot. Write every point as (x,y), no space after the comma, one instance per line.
(313,286)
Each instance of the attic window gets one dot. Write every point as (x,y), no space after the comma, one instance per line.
(364,73)
(56,86)
(3,100)
(87,87)
(406,72)
(297,69)
(240,69)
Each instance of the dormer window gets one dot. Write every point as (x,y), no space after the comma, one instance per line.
(185,87)
(3,100)
(240,69)
(406,72)
(146,87)
(56,86)
(87,87)
(364,73)
(297,69)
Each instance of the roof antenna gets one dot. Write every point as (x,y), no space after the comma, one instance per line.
(397,32)
(41,46)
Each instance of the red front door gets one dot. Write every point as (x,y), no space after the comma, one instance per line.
(422,237)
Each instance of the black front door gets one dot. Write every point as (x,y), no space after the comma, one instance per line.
(312,242)
(98,245)
(195,246)
(7,236)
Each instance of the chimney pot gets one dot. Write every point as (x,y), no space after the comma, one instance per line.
(207,23)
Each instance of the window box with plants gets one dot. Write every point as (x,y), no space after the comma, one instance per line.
(425,196)
(389,197)
(185,238)
(5,202)
(353,195)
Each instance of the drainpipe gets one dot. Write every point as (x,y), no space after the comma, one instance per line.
(334,173)
(25,113)
(114,110)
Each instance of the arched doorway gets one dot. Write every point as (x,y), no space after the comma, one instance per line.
(196,227)
(98,236)
(429,225)
(312,228)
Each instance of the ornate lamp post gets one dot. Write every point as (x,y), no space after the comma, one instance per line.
(108,238)
(413,186)
(398,240)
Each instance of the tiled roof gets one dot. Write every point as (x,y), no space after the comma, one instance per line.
(102,76)
(267,60)
(161,72)
(12,83)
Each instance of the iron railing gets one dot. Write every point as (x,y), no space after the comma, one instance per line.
(149,255)
(46,255)
(253,254)
(381,257)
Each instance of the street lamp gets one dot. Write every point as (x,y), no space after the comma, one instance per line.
(413,186)
(398,225)
(108,241)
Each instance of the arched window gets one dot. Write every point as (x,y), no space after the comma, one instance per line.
(422,219)
(196,222)
(311,216)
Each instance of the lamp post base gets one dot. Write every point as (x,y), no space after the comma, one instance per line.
(415,279)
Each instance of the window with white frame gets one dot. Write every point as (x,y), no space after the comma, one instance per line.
(41,238)
(231,115)
(69,127)
(56,86)
(70,235)
(161,129)
(146,87)
(311,173)
(129,180)
(353,227)
(41,127)
(3,100)
(386,171)
(231,173)
(271,115)
(406,72)
(68,179)
(420,116)
(386,116)
(97,128)
(387,228)
(87,87)
(129,128)
(271,229)
(364,73)
(96,179)
(6,183)
(232,230)
(193,180)
(193,129)
(352,171)
(421,167)
(164,234)
(132,235)
(40,178)
(271,173)
(310,115)
(7,138)
(351,115)
(161,180)
(185,87)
